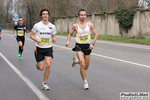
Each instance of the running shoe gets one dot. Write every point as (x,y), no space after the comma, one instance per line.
(19,54)
(86,86)
(45,86)
(37,66)
(20,57)
(75,61)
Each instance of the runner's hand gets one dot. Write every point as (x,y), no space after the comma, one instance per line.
(38,41)
(91,46)
(67,44)
(24,28)
(14,35)
(54,40)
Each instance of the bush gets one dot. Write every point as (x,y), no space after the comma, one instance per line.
(125,17)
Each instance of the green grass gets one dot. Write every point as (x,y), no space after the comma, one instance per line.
(8,29)
(65,34)
(119,39)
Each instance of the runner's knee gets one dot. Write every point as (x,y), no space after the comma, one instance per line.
(82,64)
(48,65)
(41,68)
(20,44)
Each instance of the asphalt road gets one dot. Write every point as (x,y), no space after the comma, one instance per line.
(114,67)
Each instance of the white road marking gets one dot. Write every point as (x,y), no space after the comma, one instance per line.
(40,95)
(109,57)
(125,61)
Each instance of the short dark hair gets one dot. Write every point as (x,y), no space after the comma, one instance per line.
(20,17)
(44,9)
(80,10)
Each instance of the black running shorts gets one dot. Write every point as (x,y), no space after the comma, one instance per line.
(41,52)
(82,47)
(20,38)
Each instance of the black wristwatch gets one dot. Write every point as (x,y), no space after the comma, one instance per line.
(93,44)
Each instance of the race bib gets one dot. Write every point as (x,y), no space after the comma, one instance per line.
(20,33)
(45,41)
(83,37)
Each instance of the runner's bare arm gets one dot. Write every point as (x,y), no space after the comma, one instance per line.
(95,33)
(70,34)
(54,38)
(14,32)
(34,38)
(26,29)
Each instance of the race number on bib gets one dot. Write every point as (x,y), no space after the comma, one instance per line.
(45,41)
(83,37)
(20,33)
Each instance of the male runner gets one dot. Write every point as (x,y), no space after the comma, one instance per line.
(83,46)
(0,34)
(44,32)
(20,31)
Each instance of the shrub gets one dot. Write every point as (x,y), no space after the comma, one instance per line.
(125,17)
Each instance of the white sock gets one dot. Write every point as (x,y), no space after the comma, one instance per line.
(76,61)
(85,82)
(44,82)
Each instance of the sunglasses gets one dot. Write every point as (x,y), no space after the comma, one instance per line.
(20,20)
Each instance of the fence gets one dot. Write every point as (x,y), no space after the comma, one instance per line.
(107,24)
(7,26)
(11,25)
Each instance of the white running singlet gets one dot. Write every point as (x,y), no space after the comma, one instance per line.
(83,36)
(44,33)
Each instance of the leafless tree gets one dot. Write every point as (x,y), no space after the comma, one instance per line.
(29,9)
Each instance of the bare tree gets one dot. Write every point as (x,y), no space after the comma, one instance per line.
(29,9)
(144,3)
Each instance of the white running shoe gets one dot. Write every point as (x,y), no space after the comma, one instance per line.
(86,86)
(45,86)
(75,61)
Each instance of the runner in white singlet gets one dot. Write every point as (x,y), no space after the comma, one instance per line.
(83,46)
(44,32)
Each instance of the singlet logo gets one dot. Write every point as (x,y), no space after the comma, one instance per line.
(20,28)
(45,33)
(50,27)
(42,29)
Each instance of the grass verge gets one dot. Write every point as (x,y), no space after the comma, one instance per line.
(119,39)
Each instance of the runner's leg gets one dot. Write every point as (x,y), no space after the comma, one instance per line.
(20,47)
(48,61)
(20,44)
(80,56)
(41,65)
(87,61)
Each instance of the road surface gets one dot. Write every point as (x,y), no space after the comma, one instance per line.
(114,67)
